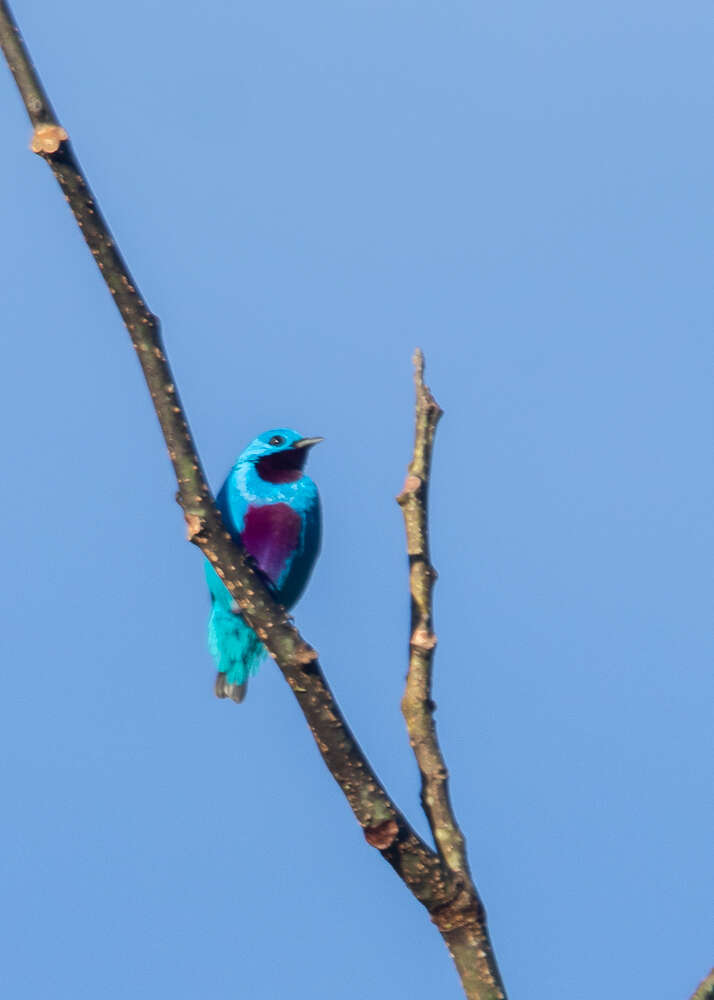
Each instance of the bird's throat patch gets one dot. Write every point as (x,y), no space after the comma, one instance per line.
(283,466)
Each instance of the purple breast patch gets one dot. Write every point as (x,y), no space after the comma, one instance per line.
(271,534)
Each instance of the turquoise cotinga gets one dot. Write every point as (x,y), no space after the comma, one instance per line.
(272,508)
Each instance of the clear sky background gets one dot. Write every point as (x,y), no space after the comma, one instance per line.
(305,192)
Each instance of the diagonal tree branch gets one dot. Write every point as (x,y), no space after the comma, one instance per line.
(438,885)
(463,924)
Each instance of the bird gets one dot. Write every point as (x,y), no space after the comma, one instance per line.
(272,509)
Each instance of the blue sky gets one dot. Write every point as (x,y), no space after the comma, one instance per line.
(305,192)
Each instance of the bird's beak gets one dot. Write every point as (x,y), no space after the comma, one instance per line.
(307,442)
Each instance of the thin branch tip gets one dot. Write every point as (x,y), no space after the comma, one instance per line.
(425,397)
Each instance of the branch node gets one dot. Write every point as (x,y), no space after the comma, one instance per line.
(412,485)
(47,139)
(458,914)
(423,639)
(305,656)
(382,835)
(195,527)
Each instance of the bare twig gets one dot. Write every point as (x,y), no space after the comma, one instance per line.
(705,990)
(417,705)
(464,922)
(431,881)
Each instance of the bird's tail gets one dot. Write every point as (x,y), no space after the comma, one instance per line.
(236,692)
(237,651)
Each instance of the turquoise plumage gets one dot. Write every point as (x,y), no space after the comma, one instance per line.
(272,508)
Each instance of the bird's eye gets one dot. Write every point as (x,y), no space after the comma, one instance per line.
(276,440)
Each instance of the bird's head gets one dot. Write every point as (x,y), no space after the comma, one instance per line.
(279,455)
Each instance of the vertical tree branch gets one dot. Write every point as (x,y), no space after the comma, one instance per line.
(463,924)
(417,704)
